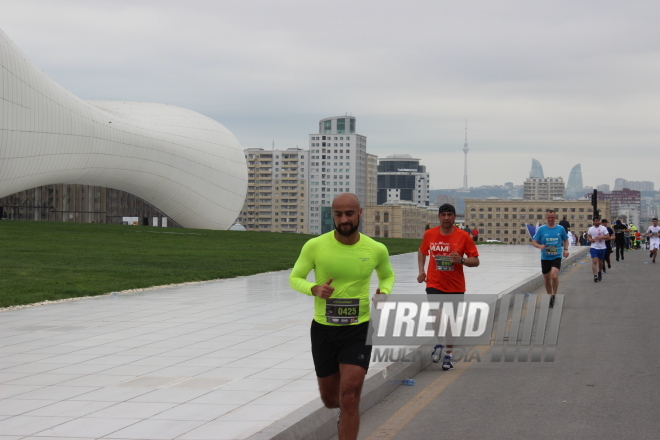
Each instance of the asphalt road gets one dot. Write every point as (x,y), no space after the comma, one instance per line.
(603,384)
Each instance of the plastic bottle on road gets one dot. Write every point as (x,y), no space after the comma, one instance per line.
(408,382)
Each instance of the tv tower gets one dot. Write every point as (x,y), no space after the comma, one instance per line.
(465,150)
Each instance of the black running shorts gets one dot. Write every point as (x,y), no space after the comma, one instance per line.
(433,291)
(547,265)
(334,344)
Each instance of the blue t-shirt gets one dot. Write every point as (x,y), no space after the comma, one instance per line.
(553,239)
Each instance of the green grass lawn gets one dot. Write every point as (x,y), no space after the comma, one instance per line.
(49,261)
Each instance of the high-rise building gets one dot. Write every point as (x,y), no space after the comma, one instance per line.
(537,170)
(635,185)
(603,188)
(338,163)
(575,188)
(402,178)
(548,188)
(372,180)
(629,198)
(276,200)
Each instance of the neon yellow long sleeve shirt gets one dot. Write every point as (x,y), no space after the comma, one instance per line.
(349,266)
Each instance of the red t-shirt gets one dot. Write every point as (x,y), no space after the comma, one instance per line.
(449,278)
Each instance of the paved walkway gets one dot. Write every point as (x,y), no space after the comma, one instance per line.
(228,359)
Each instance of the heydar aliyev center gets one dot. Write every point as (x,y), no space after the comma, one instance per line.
(187,165)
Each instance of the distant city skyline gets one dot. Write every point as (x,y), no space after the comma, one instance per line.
(563,82)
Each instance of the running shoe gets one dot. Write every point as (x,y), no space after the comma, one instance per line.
(600,276)
(447,364)
(604,269)
(595,278)
(552,301)
(436,354)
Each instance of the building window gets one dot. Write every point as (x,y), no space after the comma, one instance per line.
(386,218)
(377,231)
(377,219)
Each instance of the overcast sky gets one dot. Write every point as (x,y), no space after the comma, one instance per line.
(562,81)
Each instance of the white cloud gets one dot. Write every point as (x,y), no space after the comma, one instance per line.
(562,81)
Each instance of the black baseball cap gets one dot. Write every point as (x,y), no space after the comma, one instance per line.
(447,208)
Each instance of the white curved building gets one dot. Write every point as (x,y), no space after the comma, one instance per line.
(187,165)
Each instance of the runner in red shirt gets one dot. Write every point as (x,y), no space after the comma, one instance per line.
(447,246)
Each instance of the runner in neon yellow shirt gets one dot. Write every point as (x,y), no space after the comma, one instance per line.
(343,261)
(350,268)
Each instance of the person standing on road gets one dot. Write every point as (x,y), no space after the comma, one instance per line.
(552,239)
(343,261)
(608,245)
(447,246)
(653,235)
(597,234)
(620,238)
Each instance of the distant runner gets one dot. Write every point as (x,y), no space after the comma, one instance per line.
(597,234)
(653,234)
(552,239)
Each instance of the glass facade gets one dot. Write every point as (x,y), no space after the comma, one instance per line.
(341,125)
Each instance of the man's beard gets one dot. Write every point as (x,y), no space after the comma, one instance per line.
(349,232)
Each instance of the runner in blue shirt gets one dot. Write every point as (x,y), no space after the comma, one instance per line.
(552,239)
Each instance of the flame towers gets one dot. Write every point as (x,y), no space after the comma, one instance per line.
(574,187)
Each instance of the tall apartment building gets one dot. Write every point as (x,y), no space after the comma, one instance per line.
(547,188)
(277,190)
(402,178)
(635,185)
(338,163)
(628,198)
(506,220)
(372,180)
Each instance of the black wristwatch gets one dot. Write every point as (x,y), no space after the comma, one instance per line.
(462,260)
